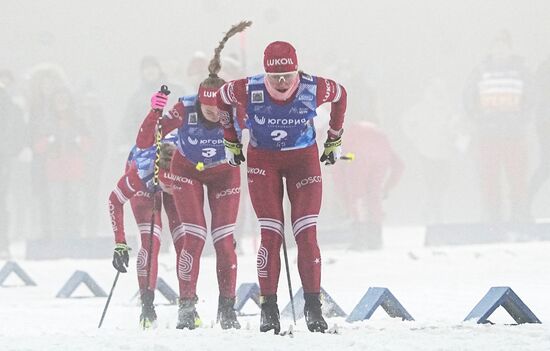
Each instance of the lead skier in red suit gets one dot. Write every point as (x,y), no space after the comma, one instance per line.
(136,185)
(199,162)
(280,108)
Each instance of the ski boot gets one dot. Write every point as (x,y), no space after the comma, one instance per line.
(148,316)
(270,314)
(187,314)
(226,314)
(313,314)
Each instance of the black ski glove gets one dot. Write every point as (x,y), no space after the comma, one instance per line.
(121,257)
(332,152)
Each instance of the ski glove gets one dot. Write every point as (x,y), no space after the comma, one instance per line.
(233,152)
(121,257)
(158,101)
(332,152)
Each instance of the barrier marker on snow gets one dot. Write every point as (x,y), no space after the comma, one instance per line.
(374,298)
(13,267)
(165,290)
(329,307)
(502,296)
(245,292)
(75,280)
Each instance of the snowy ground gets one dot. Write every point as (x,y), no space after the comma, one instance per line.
(438,286)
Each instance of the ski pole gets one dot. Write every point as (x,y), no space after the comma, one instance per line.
(288,280)
(158,140)
(108,300)
(349,156)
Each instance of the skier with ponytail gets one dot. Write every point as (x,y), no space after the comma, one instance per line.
(200,161)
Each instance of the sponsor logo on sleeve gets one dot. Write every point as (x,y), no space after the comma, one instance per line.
(113,220)
(328,90)
(174,113)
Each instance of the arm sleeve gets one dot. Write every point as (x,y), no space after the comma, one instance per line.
(231,94)
(170,121)
(125,189)
(330,91)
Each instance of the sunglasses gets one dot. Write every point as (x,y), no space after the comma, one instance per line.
(278,77)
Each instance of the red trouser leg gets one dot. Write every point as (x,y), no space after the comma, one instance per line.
(147,260)
(265,187)
(304,186)
(223,197)
(223,183)
(177,229)
(174,222)
(226,266)
(189,199)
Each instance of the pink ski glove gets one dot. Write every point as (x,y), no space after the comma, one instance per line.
(158,101)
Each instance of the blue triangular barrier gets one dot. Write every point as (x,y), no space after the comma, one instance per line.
(502,296)
(13,267)
(75,280)
(374,298)
(165,290)
(329,307)
(245,292)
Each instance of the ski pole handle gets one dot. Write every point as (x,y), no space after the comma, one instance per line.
(164,90)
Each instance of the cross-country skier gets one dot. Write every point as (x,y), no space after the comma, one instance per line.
(199,162)
(137,186)
(280,107)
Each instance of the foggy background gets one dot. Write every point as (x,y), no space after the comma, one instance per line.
(386,54)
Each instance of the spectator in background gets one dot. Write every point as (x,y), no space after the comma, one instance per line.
(497,101)
(542,126)
(152,77)
(44,80)
(12,142)
(431,125)
(64,146)
(93,117)
(369,179)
